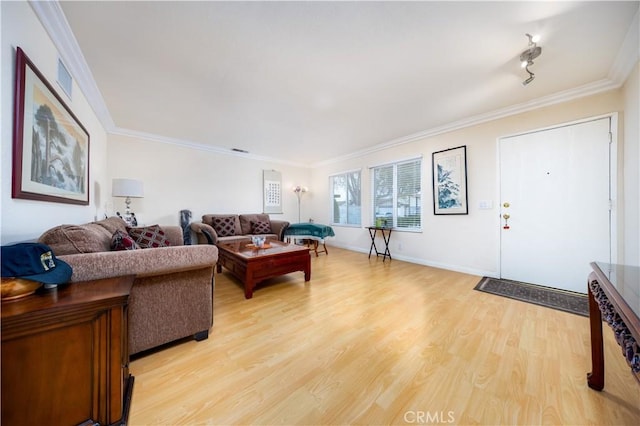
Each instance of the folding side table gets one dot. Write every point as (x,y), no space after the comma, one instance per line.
(373,230)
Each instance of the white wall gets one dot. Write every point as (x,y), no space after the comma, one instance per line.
(631,91)
(177,178)
(467,243)
(25,219)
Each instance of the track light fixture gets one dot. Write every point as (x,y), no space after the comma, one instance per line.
(527,57)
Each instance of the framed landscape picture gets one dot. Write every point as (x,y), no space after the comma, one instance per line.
(450,181)
(50,145)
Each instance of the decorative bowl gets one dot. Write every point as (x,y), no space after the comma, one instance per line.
(16,288)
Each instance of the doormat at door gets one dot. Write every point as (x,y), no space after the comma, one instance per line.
(563,300)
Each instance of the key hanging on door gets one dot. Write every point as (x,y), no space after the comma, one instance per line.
(506,217)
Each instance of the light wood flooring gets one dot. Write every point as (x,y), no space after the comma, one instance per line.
(372,342)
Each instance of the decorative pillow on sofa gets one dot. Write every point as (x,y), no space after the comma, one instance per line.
(76,239)
(91,237)
(225,226)
(149,236)
(122,241)
(246,219)
(260,227)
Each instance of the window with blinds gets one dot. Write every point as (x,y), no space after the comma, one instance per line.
(64,78)
(397,195)
(346,201)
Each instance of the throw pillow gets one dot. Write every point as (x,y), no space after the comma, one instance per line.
(149,236)
(260,227)
(224,226)
(122,241)
(76,239)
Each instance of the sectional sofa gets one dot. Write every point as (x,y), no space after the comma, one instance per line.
(172,294)
(216,228)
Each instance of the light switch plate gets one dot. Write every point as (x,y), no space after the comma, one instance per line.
(485,204)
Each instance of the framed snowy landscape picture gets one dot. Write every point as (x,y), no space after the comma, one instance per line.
(50,146)
(450,181)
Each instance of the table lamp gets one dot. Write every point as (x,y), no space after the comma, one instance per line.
(128,188)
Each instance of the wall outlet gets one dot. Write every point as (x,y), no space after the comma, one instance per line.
(399,246)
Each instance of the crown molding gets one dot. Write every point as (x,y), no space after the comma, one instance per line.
(117,131)
(56,25)
(556,98)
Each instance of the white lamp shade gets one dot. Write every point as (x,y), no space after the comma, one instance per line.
(127,188)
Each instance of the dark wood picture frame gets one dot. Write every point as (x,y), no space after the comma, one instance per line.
(450,181)
(50,145)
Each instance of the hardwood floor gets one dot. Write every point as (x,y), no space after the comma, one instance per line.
(367,342)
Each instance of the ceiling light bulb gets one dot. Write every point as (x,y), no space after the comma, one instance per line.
(535,38)
(524,64)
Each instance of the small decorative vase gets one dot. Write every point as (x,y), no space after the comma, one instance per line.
(258,241)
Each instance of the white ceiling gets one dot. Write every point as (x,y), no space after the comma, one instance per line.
(307,82)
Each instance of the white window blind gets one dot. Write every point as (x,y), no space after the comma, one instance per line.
(64,78)
(397,195)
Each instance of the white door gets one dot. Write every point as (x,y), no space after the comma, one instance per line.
(554,187)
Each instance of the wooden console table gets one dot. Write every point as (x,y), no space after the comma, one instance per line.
(614,293)
(65,358)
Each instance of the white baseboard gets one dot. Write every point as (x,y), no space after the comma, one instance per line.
(449,267)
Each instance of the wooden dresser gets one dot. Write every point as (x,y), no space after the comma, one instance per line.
(65,358)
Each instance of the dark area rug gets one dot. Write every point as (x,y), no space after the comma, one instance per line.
(563,300)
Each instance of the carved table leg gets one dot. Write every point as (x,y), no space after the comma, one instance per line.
(595,379)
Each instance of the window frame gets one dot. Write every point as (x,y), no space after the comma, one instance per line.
(394,189)
(344,175)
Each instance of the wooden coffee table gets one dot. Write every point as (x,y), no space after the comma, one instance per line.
(252,265)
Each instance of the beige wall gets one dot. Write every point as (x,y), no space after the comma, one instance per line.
(25,219)
(177,178)
(467,243)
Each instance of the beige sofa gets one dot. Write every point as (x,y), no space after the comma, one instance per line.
(216,228)
(172,294)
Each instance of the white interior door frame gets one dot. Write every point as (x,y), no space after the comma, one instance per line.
(613,181)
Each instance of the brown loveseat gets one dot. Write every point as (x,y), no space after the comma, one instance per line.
(216,228)
(172,294)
